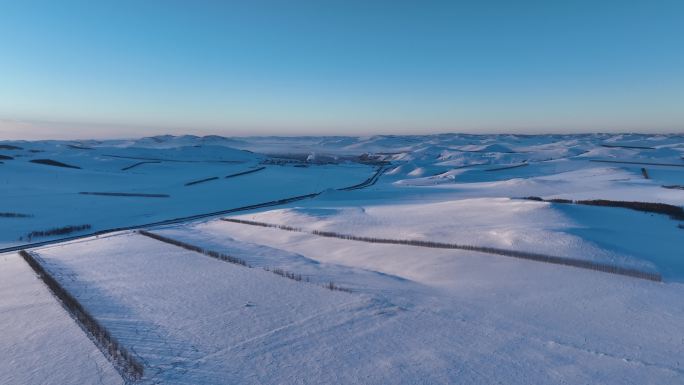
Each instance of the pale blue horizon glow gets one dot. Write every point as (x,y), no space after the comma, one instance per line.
(131,68)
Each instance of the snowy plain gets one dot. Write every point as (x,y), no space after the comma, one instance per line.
(405,314)
(40,342)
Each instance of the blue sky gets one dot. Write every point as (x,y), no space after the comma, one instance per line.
(131,68)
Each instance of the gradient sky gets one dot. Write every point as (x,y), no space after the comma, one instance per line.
(133,68)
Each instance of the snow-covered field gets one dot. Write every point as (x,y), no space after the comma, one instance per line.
(40,343)
(51,196)
(405,314)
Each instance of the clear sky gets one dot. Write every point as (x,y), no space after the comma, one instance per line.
(133,68)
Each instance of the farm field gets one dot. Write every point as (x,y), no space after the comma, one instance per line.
(385,259)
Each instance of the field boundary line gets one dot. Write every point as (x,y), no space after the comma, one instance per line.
(124,362)
(565,261)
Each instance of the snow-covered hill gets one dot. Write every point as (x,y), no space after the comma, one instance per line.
(320,299)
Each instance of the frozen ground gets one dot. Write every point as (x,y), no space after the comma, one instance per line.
(414,314)
(50,195)
(40,343)
(495,222)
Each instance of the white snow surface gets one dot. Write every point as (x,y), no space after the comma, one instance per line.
(492,222)
(414,316)
(408,315)
(39,341)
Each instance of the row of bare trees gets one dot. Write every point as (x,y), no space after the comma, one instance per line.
(56,231)
(238,261)
(187,246)
(675,212)
(126,364)
(580,263)
(14,215)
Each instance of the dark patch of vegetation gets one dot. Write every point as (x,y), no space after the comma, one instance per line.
(508,167)
(644,173)
(554,200)
(304,158)
(9,147)
(238,261)
(681,226)
(626,146)
(171,160)
(533,198)
(559,200)
(281,162)
(286,274)
(675,212)
(333,287)
(36,151)
(187,246)
(580,263)
(674,187)
(120,194)
(77,147)
(6,157)
(298,277)
(201,181)
(14,215)
(376,159)
(56,231)
(138,164)
(51,162)
(125,363)
(245,172)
